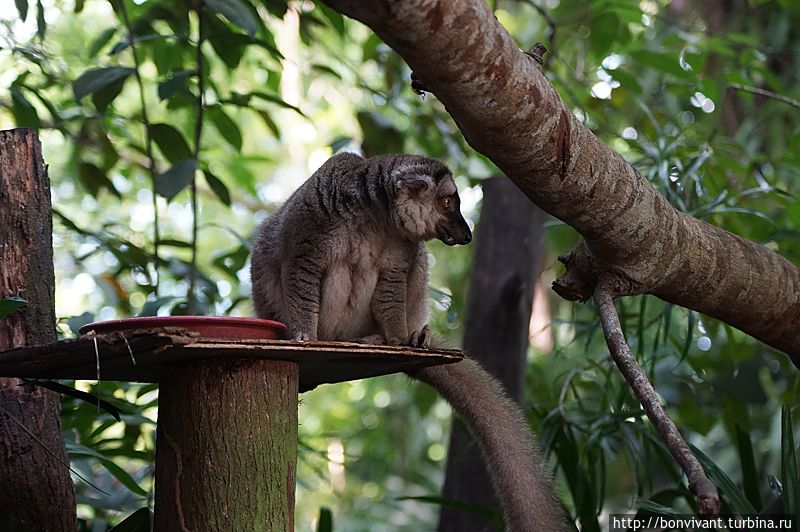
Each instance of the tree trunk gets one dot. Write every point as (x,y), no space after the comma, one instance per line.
(505,267)
(507,109)
(36,491)
(227,446)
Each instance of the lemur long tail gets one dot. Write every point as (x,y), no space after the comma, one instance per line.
(519,477)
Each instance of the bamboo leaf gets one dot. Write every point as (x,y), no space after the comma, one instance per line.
(75,450)
(791,487)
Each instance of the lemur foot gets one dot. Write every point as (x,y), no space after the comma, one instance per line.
(301,336)
(421,338)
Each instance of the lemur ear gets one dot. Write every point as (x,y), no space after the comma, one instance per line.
(415,183)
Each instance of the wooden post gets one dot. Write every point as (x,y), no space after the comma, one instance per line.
(36,490)
(227,446)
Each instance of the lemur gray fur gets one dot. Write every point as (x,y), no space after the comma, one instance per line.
(344,258)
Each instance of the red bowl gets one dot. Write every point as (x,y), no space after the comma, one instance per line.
(207,326)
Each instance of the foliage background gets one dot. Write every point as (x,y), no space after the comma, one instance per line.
(116,90)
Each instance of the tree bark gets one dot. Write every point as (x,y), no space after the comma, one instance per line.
(507,109)
(505,266)
(36,491)
(227,446)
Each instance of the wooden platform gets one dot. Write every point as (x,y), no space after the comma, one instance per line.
(139,356)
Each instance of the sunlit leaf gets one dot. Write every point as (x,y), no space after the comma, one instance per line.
(178,177)
(96,79)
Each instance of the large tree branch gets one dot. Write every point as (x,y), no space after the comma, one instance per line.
(507,110)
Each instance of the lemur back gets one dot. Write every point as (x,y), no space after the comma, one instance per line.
(344,259)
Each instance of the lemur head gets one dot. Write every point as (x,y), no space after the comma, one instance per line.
(426,203)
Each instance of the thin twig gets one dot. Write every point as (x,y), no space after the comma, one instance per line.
(198,132)
(148,145)
(765,92)
(701,486)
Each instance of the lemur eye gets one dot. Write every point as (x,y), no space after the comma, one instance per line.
(447,201)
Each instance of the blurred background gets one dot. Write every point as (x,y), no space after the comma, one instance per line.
(171,130)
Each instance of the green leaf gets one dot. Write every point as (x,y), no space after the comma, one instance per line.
(335,18)
(665,62)
(727,487)
(94,179)
(219,188)
(102,40)
(340,143)
(138,521)
(658,509)
(232,262)
(75,449)
(103,97)
(23,110)
(748,461)
(22,9)
(171,142)
(96,79)
(278,100)
(380,136)
(41,23)
(791,486)
(171,182)
(237,11)
(325,520)
(77,394)
(177,82)
(151,308)
(227,127)
(10,304)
